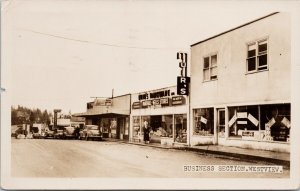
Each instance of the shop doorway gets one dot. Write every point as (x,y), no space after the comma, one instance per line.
(221,122)
(180,128)
(156,127)
(155,122)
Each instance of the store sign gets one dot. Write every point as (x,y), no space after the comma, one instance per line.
(164,101)
(108,102)
(146,103)
(286,122)
(248,134)
(136,105)
(253,119)
(241,114)
(102,102)
(232,121)
(183,80)
(152,95)
(178,100)
(156,102)
(242,122)
(203,120)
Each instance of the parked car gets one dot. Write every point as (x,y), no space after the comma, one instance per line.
(49,134)
(90,132)
(69,132)
(58,134)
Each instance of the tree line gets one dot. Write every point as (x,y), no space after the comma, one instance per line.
(21,115)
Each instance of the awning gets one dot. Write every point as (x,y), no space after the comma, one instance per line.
(86,114)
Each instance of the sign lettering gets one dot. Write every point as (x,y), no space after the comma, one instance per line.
(182,80)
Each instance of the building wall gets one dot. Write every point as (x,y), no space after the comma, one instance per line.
(120,105)
(234,85)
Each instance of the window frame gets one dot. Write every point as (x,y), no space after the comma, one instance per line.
(210,67)
(257,55)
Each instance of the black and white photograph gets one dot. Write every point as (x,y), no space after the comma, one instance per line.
(149,94)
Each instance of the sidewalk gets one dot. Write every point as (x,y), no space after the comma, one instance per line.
(278,158)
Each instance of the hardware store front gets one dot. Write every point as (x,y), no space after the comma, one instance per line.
(166,114)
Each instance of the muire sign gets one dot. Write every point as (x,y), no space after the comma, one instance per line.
(183,80)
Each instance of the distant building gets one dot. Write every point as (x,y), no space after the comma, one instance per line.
(111,115)
(240,86)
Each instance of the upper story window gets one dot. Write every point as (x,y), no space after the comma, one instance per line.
(257,57)
(210,68)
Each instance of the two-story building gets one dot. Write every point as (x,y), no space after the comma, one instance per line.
(240,86)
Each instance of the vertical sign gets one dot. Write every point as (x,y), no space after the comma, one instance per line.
(183,80)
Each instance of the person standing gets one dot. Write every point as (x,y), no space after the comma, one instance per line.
(146,129)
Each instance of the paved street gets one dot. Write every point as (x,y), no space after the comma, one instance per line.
(75,158)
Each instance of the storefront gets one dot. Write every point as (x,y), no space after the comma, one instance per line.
(110,115)
(264,126)
(240,87)
(165,112)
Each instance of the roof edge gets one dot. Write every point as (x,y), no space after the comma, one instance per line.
(248,23)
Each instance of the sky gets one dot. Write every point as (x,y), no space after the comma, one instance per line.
(60,53)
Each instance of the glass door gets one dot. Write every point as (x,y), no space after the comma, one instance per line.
(221,122)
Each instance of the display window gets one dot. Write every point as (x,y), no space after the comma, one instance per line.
(180,128)
(243,118)
(275,120)
(136,125)
(161,126)
(204,121)
(260,122)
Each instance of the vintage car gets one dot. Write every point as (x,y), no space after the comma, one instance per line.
(49,134)
(69,132)
(90,132)
(58,134)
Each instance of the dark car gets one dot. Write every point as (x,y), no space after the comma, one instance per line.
(90,132)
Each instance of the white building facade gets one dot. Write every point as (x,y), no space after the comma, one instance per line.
(240,86)
(166,112)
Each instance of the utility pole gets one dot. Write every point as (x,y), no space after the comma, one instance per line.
(55,118)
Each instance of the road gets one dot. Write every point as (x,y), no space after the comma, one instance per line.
(75,158)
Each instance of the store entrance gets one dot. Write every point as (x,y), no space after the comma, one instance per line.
(155,122)
(156,125)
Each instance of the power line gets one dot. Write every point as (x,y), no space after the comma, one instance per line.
(91,42)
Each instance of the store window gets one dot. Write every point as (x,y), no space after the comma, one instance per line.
(243,118)
(136,125)
(257,56)
(180,128)
(204,121)
(260,122)
(276,121)
(161,126)
(210,70)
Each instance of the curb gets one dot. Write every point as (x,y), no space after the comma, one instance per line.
(244,157)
